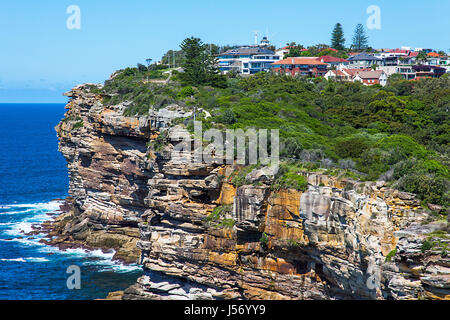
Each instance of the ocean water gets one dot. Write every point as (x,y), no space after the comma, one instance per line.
(33,175)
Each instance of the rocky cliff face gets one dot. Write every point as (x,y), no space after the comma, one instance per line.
(198,237)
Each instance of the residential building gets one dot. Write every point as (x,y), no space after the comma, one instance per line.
(423,49)
(265,42)
(363,60)
(309,67)
(407,72)
(369,78)
(338,75)
(428,71)
(283,51)
(338,63)
(247,60)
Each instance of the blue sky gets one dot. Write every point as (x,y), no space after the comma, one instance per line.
(41,58)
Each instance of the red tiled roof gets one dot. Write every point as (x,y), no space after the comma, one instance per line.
(413,54)
(399,51)
(332,49)
(434,54)
(305,61)
(287,47)
(329,59)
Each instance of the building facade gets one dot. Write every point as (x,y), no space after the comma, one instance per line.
(247,60)
(363,60)
(369,78)
(306,67)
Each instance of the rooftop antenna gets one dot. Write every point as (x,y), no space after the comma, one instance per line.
(256,37)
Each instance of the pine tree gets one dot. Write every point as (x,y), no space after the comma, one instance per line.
(360,39)
(337,37)
(200,66)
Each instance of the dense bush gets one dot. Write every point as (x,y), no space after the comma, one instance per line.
(430,188)
(351,147)
(288,177)
(399,133)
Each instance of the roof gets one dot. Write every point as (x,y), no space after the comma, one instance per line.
(363,57)
(413,54)
(305,61)
(422,67)
(332,49)
(286,47)
(247,51)
(355,72)
(376,74)
(338,73)
(399,51)
(329,59)
(434,54)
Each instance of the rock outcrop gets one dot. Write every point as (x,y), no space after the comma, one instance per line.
(199,237)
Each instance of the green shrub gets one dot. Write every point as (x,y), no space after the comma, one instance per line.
(391,255)
(288,177)
(264,240)
(426,245)
(218,218)
(429,188)
(228,117)
(352,147)
(158,144)
(186,92)
(292,148)
(402,146)
(78,125)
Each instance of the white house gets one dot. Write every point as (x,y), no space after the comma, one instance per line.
(407,72)
(247,60)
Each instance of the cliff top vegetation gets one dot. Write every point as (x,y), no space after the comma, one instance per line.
(399,133)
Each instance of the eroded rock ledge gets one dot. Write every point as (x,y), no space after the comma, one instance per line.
(340,239)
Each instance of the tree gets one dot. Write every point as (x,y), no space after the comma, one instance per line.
(337,37)
(360,39)
(422,57)
(294,51)
(200,66)
(141,67)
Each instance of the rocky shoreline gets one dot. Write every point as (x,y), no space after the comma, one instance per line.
(64,232)
(198,236)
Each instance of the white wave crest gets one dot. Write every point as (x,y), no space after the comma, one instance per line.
(29,259)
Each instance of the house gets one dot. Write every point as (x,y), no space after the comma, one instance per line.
(333,61)
(354,72)
(309,67)
(369,78)
(444,62)
(283,51)
(428,71)
(247,60)
(338,75)
(409,59)
(265,42)
(363,60)
(407,72)
(423,49)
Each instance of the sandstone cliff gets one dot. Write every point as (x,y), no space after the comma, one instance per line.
(199,237)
